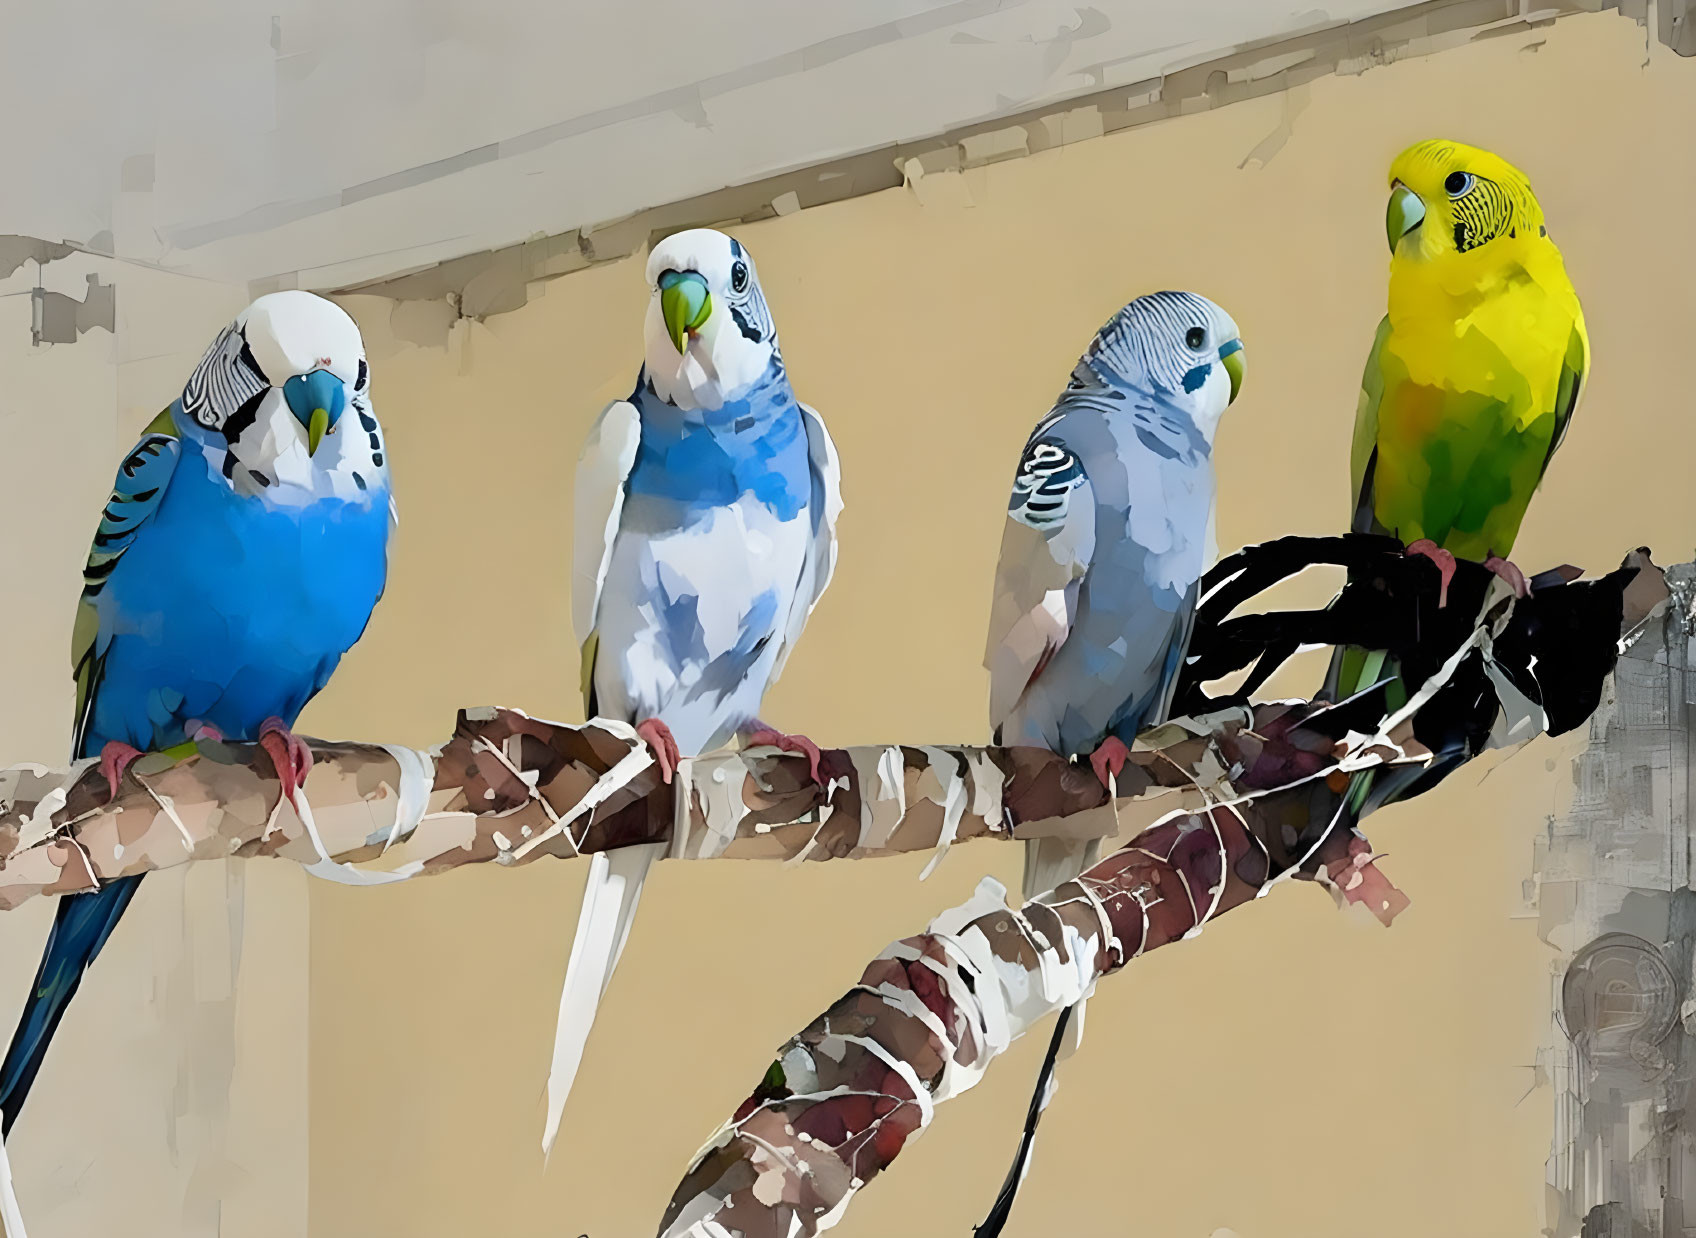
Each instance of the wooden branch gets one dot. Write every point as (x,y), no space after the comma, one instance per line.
(930,1013)
(510,789)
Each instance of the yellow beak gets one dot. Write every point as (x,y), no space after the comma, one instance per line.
(317,426)
(1231,357)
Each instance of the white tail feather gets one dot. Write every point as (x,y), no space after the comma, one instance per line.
(609,906)
(10,1216)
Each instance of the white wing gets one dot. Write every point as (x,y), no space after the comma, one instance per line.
(824,507)
(615,880)
(1045,551)
(602,471)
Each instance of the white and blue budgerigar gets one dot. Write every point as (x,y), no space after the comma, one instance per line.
(706,509)
(238,557)
(1108,533)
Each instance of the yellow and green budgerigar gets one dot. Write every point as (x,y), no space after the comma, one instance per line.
(1473,375)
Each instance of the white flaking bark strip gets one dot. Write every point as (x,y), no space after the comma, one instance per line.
(944,770)
(997,999)
(616,779)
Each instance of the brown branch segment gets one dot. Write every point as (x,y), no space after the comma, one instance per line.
(510,789)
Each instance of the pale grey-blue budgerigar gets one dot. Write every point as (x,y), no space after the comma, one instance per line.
(1108,532)
(706,511)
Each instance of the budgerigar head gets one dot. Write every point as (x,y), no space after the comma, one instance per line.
(1179,345)
(270,396)
(1447,199)
(709,334)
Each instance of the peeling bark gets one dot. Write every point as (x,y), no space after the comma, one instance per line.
(509,789)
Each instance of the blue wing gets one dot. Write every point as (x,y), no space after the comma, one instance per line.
(83,922)
(136,494)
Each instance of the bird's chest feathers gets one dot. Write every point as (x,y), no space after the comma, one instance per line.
(236,575)
(740,451)
(1468,402)
(729,574)
(1167,515)
(1503,339)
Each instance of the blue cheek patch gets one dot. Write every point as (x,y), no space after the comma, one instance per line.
(1196,377)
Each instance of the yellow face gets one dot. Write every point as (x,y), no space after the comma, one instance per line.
(1446,199)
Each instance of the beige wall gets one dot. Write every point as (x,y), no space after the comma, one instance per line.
(1293,1073)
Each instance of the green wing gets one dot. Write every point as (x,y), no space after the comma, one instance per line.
(1574,368)
(1353,668)
(1364,449)
(136,492)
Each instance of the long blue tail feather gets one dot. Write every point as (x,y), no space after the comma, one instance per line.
(81,927)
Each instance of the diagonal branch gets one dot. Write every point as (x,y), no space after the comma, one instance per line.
(928,1016)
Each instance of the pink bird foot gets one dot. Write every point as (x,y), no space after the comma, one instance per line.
(196,730)
(763,736)
(1108,761)
(657,735)
(1428,549)
(115,758)
(1509,573)
(290,756)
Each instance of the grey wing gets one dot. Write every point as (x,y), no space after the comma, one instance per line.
(1046,547)
(823,509)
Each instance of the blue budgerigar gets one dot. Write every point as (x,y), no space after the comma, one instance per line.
(239,556)
(706,511)
(1108,533)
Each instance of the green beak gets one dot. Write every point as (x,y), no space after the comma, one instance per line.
(1406,212)
(1231,357)
(317,426)
(684,304)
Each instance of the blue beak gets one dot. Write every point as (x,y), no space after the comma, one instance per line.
(316,400)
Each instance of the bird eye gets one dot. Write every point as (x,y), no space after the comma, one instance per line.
(739,277)
(1459,184)
(1195,338)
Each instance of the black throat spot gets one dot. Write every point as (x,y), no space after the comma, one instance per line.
(748,329)
(244,416)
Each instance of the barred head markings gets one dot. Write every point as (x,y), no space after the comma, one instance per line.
(225,380)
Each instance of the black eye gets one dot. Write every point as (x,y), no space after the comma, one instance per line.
(739,277)
(1195,337)
(1459,184)
(363,377)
